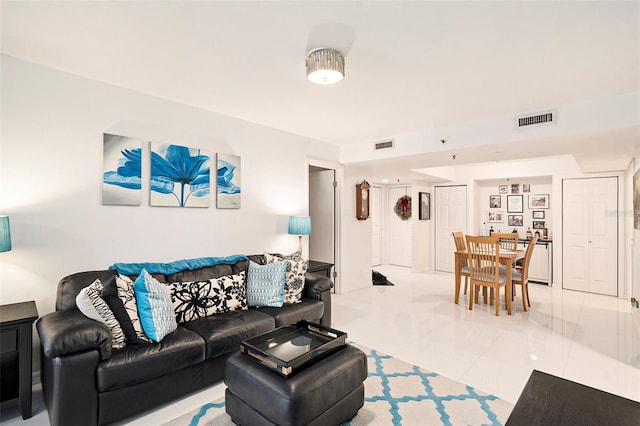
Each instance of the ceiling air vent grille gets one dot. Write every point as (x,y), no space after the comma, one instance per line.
(383,145)
(548,117)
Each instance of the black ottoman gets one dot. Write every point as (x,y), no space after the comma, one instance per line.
(329,392)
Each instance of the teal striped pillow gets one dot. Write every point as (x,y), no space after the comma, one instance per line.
(265,284)
(155,308)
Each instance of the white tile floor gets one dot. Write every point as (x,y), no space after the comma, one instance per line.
(583,337)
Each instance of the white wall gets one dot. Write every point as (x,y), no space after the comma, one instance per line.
(355,237)
(51,174)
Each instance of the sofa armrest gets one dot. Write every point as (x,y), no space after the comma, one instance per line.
(315,285)
(319,287)
(68,332)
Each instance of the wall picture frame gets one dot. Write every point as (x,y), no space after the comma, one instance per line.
(539,201)
(494,216)
(424,206)
(502,189)
(515,188)
(515,220)
(537,214)
(538,224)
(495,201)
(526,187)
(515,204)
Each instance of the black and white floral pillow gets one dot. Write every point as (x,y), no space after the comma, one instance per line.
(193,300)
(294,277)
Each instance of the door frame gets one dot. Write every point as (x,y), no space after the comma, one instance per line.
(339,178)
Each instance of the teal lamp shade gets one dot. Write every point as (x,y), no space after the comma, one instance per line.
(300,225)
(5,234)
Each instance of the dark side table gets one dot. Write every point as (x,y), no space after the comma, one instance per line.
(320,268)
(16,329)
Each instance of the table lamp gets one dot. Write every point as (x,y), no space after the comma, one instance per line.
(5,233)
(300,225)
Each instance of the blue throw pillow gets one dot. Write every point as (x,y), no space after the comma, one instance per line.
(265,284)
(154,307)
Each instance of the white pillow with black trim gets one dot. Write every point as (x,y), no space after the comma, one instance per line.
(92,305)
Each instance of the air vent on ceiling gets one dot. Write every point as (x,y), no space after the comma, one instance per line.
(547,117)
(383,145)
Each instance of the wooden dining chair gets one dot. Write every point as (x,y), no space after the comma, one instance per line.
(458,238)
(521,277)
(508,240)
(484,269)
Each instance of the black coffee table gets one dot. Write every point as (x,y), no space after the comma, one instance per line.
(551,400)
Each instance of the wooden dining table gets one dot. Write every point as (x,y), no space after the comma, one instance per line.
(506,257)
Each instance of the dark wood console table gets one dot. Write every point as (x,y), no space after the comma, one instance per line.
(551,400)
(16,328)
(320,268)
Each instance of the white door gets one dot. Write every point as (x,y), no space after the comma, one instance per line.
(321,210)
(590,235)
(450,209)
(375,200)
(399,235)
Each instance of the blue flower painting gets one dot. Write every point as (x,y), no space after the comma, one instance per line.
(179,176)
(228,196)
(122,166)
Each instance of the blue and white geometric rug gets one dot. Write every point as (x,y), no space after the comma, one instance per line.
(396,393)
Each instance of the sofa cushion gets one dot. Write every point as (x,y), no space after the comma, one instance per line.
(120,296)
(154,307)
(294,277)
(224,333)
(309,310)
(198,299)
(134,364)
(92,305)
(265,284)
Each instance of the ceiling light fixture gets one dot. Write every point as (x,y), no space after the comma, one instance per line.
(325,66)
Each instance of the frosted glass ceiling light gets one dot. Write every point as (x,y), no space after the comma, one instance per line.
(325,66)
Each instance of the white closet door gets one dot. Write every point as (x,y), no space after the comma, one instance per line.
(590,235)
(450,215)
(400,234)
(375,198)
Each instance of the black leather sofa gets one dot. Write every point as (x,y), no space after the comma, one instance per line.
(86,381)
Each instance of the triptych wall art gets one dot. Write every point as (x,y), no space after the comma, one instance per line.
(180,176)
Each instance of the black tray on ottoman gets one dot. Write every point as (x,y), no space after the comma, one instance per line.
(287,350)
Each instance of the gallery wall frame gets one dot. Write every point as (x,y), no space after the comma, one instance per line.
(539,201)
(502,189)
(495,216)
(495,201)
(515,220)
(538,224)
(515,204)
(537,214)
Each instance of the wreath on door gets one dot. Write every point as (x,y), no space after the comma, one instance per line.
(403,207)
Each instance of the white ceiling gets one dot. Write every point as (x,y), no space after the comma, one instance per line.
(410,66)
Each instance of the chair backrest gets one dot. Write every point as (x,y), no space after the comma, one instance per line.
(484,258)
(508,241)
(458,238)
(527,257)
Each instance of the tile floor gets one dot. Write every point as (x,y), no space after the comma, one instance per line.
(583,337)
